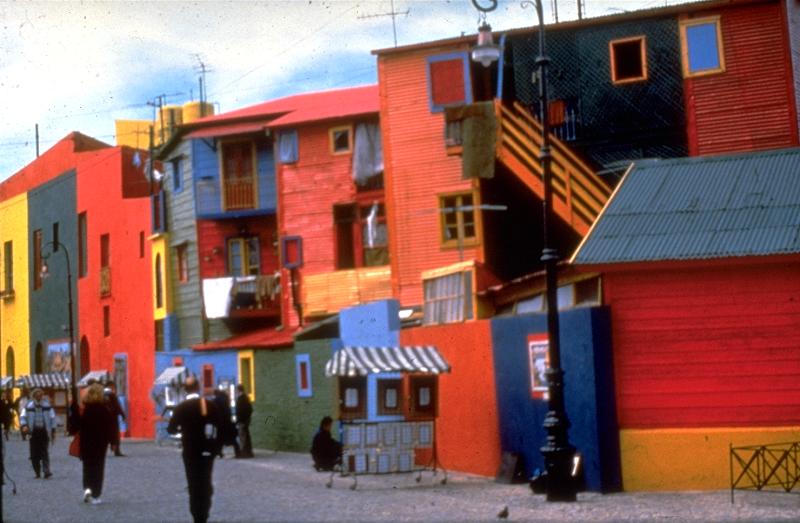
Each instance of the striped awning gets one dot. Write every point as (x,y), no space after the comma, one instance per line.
(360,361)
(6,382)
(100,376)
(171,376)
(51,380)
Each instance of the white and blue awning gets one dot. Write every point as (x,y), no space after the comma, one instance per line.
(6,382)
(360,361)
(99,376)
(50,380)
(172,376)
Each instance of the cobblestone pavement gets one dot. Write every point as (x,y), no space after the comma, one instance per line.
(148,485)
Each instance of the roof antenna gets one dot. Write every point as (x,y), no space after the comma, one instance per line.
(391,13)
(203,70)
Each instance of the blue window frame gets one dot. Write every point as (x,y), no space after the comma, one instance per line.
(701,46)
(448,80)
(302,364)
(177,175)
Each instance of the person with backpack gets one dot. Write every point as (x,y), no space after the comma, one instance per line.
(199,422)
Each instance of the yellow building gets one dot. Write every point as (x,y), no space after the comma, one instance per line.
(14,297)
(136,133)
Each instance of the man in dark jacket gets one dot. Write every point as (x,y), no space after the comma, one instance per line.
(114,406)
(199,423)
(326,451)
(244,411)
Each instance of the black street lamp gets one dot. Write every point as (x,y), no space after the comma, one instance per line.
(559,454)
(73,408)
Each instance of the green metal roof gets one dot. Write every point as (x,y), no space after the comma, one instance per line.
(700,208)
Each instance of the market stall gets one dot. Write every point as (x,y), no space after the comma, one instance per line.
(388,404)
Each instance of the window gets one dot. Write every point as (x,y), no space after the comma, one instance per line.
(374,239)
(352,397)
(390,397)
(287,146)
(448,298)
(182,258)
(106,320)
(238,175)
(423,396)
(628,60)
(55,237)
(159,328)
(37,259)
(244,256)
(39,358)
(292,251)
(303,375)
(158,212)
(361,238)
(448,81)
(83,260)
(701,46)
(105,250)
(341,139)
(141,244)
(207,379)
(344,219)
(587,292)
(159,283)
(458,220)
(8,268)
(177,175)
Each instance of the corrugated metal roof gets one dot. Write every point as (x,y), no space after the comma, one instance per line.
(700,208)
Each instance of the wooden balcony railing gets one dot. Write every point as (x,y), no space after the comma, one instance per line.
(329,292)
(240,193)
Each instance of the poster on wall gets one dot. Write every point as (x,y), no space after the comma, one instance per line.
(538,361)
(58,356)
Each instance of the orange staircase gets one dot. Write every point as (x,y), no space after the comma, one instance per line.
(578,193)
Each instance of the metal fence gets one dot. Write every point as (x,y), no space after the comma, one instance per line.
(765,467)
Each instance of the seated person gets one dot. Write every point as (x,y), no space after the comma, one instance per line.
(326,451)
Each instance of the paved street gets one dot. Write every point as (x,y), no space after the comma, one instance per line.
(148,485)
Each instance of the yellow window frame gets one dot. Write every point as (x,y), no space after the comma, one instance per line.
(454,243)
(642,57)
(247,355)
(683,25)
(332,139)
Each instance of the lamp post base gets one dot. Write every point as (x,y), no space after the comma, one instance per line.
(559,482)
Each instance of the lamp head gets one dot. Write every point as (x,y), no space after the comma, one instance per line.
(486,51)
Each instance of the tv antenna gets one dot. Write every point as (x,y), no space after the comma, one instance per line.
(391,13)
(202,69)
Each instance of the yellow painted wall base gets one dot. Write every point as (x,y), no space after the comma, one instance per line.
(688,459)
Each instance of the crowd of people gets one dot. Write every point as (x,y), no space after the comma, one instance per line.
(205,426)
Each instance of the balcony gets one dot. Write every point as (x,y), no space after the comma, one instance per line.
(329,292)
(242,297)
(240,193)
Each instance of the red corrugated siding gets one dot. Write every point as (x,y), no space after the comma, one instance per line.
(417,171)
(707,347)
(308,190)
(750,106)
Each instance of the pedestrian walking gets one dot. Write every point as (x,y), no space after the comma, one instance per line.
(228,429)
(114,406)
(38,420)
(95,428)
(6,415)
(198,421)
(244,411)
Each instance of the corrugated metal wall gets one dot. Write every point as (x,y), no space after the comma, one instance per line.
(709,347)
(417,171)
(750,106)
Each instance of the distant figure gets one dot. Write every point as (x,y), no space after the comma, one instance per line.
(39,420)
(96,426)
(19,406)
(228,429)
(326,451)
(198,422)
(6,415)
(113,406)
(244,411)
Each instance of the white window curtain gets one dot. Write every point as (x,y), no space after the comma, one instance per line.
(367,152)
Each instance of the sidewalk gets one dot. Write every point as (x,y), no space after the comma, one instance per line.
(149,485)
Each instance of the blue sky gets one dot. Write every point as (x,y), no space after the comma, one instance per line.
(78,66)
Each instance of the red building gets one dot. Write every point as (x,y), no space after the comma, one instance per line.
(702,283)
